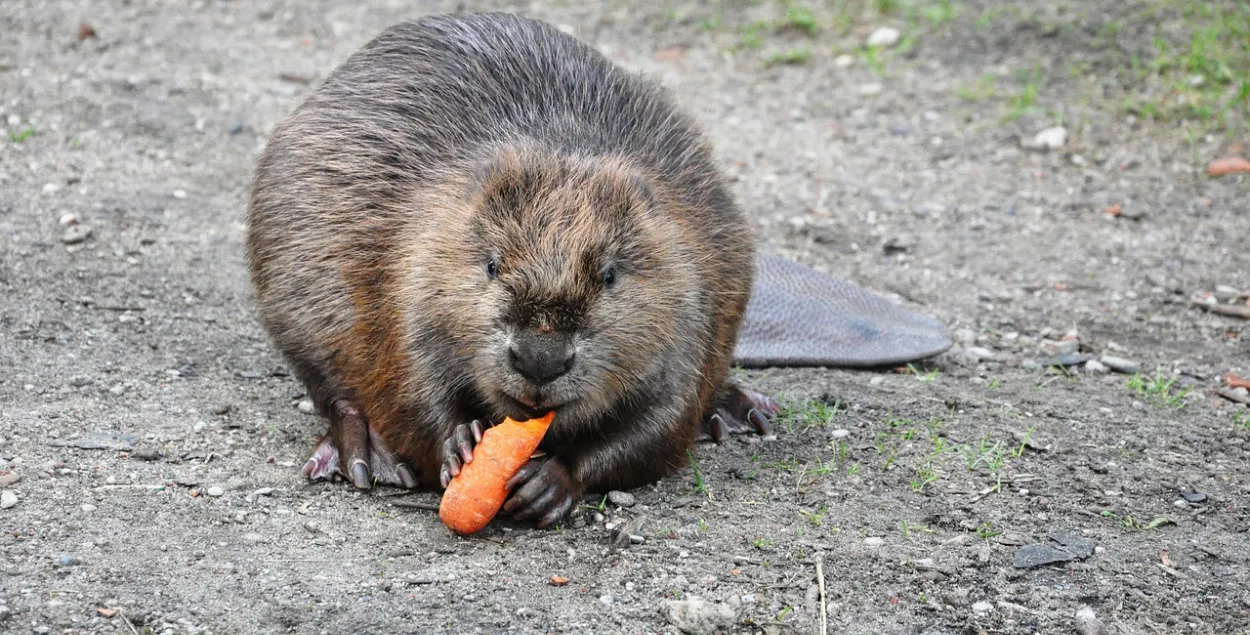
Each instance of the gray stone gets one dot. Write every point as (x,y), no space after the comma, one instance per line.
(216,490)
(621,499)
(1087,622)
(699,617)
(9,477)
(1031,556)
(66,561)
(7,499)
(1074,543)
(1121,365)
(1194,497)
(874,541)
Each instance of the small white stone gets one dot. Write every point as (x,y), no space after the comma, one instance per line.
(180,193)
(885,37)
(1095,366)
(1051,138)
(1180,503)
(874,541)
(982,607)
(68,218)
(629,586)
(7,499)
(216,490)
(871,89)
(605,600)
(88,507)
(840,433)
(50,188)
(843,61)
(306,406)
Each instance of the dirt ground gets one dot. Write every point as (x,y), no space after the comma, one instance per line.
(155,437)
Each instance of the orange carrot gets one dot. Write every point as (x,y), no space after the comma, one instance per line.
(475,495)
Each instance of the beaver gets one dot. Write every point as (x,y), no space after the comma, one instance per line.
(478,216)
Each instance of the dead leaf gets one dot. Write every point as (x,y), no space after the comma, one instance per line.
(1113,210)
(558,580)
(85,31)
(1228,165)
(106,612)
(671,54)
(1234,381)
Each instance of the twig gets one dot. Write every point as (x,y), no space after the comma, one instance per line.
(820,584)
(122,614)
(1230,310)
(429,507)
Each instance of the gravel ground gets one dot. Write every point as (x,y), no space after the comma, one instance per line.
(150,436)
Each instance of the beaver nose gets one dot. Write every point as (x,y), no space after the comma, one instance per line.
(540,358)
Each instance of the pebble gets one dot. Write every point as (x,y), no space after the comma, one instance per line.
(982,607)
(621,499)
(1087,622)
(180,194)
(7,499)
(222,409)
(840,433)
(605,600)
(117,390)
(1194,497)
(75,234)
(88,507)
(70,218)
(1180,503)
(1120,365)
(874,88)
(1051,138)
(66,561)
(1030,556)
(9,477)
(700,617)
(874,541)
(215,490)
(235,128)
(843,61)
(306,406)
(885,36)
(979,353)
(1095,366)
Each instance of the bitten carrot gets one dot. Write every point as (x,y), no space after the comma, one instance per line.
(475,495)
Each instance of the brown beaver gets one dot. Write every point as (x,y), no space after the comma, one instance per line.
(478,216)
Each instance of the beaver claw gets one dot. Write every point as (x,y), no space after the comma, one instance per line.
(350,452)
(458,450)
(543,489)
(740,411)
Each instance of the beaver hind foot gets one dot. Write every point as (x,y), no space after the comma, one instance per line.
(350,451)
(739,411)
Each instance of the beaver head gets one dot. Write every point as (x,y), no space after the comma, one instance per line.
(569,288)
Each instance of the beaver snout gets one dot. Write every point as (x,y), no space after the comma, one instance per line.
(541,358)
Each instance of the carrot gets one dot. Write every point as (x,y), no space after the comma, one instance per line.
(475,495)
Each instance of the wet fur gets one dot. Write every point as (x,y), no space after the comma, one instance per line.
(447,141)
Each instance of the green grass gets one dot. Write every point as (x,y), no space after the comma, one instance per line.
(1130,522)
(22,135)
(809,413)
(1241,418)
(800,18)
(986,530)
(1199,73)
(790,57)
(1024,101)
(1159,390)
(699,485)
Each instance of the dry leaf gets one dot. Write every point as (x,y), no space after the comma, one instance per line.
(1228,165)
(558,580)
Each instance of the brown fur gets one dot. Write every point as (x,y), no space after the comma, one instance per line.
(378,203)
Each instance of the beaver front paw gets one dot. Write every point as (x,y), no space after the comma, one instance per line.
(543,489)
(458,450)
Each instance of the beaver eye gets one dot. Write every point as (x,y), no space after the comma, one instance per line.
(609,277)
(492,269)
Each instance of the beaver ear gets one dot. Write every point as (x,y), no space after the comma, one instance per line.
(618,195)
(501,184)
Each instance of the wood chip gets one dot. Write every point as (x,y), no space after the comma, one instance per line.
(1234,381)
(1228,165)
(106,612)
(558,580)
(1230,310)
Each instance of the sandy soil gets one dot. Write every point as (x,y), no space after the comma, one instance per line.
(917,493)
